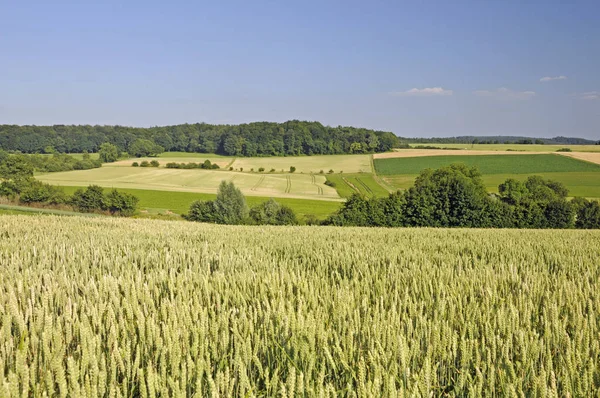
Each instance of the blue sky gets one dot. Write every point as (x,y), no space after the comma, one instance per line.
(417,68)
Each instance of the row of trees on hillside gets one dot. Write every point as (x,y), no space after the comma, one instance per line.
(18,185)
(252,139)
(49,163)
(455,196)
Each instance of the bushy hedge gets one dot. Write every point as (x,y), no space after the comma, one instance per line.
(207,165)
(455,196)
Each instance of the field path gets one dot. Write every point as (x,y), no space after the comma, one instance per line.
(319,188)
(260,181)
(365,186)
(288,187)
(351,185)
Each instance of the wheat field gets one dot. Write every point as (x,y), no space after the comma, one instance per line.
(128,308)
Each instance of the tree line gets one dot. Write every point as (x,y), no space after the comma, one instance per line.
(451,196)
(50,163)
(18,185)
(252,139)
(455,196)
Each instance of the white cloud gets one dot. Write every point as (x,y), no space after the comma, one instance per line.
(551,78)
(422,92)
(505,93)
(589,96)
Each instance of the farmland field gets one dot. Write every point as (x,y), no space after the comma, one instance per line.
(308,164)
(300,186)
(163,202)
(582,178)
(361,183)
(514,147)
(109,307)
(488,164)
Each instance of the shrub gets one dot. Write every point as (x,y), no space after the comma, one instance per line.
(330,183)
(292,169)
(564,150)
(230,168)
(321,172)
(272,171)
(135,164)
(154,163)
(272,213)
(229,208)
(330,171)
(145,163)
(261,169)
(121,203)
(89,200)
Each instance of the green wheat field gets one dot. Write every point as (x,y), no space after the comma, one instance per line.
(126,308)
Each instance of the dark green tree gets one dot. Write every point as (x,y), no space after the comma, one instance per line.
(451,196)
(142,147)
(108,153)
(89,200)
(121,203)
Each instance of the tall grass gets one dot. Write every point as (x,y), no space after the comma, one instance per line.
(114,307)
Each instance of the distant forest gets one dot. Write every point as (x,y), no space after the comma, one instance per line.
(470,139)
(253,139)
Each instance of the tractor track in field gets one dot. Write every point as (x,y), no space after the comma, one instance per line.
(288,187)
(365,186)
(314,182)
(260,181)
(351,185)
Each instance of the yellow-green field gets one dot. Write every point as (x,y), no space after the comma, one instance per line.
(309,164)
(94,307)
(284,185)
(514,147)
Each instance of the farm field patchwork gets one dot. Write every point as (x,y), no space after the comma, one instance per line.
(514,147)
(141,308)
(287,185)
(163,202)
(488,164)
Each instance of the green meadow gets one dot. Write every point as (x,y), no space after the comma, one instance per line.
(361,183)
(162,202)
(488,164)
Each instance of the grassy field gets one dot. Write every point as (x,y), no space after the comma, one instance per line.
(515,147)
(165,202)
(361,183)
(308,164)
(299,186)
(488,164)
(116,307)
